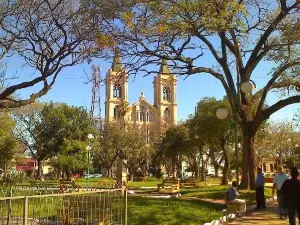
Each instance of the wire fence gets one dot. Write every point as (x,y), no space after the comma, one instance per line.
(98,207)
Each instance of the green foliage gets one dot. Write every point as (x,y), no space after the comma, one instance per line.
(205,124)
(13,178)
(176,140)
(8,143)
(63,133)
(55,130)
(108,144)
(76,162)
(137,151)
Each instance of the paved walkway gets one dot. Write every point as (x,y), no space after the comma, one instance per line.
(270,216)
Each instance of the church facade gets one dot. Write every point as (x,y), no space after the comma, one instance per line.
(152,118)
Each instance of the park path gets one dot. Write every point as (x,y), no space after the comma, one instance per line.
(270,216)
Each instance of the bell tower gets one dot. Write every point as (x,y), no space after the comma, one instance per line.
(165,94)
(116,90)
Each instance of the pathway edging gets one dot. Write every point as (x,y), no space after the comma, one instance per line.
(229,217)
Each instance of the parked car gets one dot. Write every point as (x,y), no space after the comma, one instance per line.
(97,175)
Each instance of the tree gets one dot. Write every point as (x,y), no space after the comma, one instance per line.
(213,132)
(52,129)
(72,160)
(110,142)
(137,151)
(47,36)
(63,130)
(277,150)
(175,143)
(238,37)
(8,143)
(27,118)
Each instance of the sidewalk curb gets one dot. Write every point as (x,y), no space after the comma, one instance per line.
(229,217)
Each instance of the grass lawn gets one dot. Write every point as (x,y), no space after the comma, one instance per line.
(152,182)
(219,192)
(150,211)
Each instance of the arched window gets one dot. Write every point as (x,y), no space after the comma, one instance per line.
(152,117)
(117,113)
(264,168)
(166,94)
(117,91)
(143,116)
(167,114)
(271,168)
(137,115)
(148,116)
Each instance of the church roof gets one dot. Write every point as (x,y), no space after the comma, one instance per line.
(116,65)
(142,99)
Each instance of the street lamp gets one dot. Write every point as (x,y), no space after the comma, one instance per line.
(222,114)
(290,141)
(296,146)
(248,86)
(89,148)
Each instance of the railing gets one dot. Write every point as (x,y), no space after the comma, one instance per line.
(99,207)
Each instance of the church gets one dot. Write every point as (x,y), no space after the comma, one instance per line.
(152,118)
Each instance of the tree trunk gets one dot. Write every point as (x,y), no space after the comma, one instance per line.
(226,163)
(203,169)
(131,176)
(216,167)
(174,172)
(249,158)
(225,170)
(39,170)
(109,172)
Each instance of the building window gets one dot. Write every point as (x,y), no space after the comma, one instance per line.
(167,114)
(143,116)
(117,113)
(152,117)
(137,116)
(166,94)
(148,117)
(117,91)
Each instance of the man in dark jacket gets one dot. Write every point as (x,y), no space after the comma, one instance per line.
(260,190)
(290,190)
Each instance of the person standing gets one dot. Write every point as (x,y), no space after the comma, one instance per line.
(260,190)
(290,190)
(277,183)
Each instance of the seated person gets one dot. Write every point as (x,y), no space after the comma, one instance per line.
(232,194)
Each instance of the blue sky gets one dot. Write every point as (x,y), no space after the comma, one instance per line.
(71,88)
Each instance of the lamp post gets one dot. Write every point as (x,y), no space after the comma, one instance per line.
(290,141)
(296,146)
(222,114)
(89,148)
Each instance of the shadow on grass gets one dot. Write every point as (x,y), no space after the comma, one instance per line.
(149,211)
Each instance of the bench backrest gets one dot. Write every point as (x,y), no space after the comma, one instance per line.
(171,181)
(189,181)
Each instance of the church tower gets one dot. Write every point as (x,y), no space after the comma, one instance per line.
(165,94)
(116,90)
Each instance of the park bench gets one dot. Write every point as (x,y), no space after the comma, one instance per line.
(107,183)
(269,179)
(144,178)
(232,208)
(66,184)
(189,182)
(172,183)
